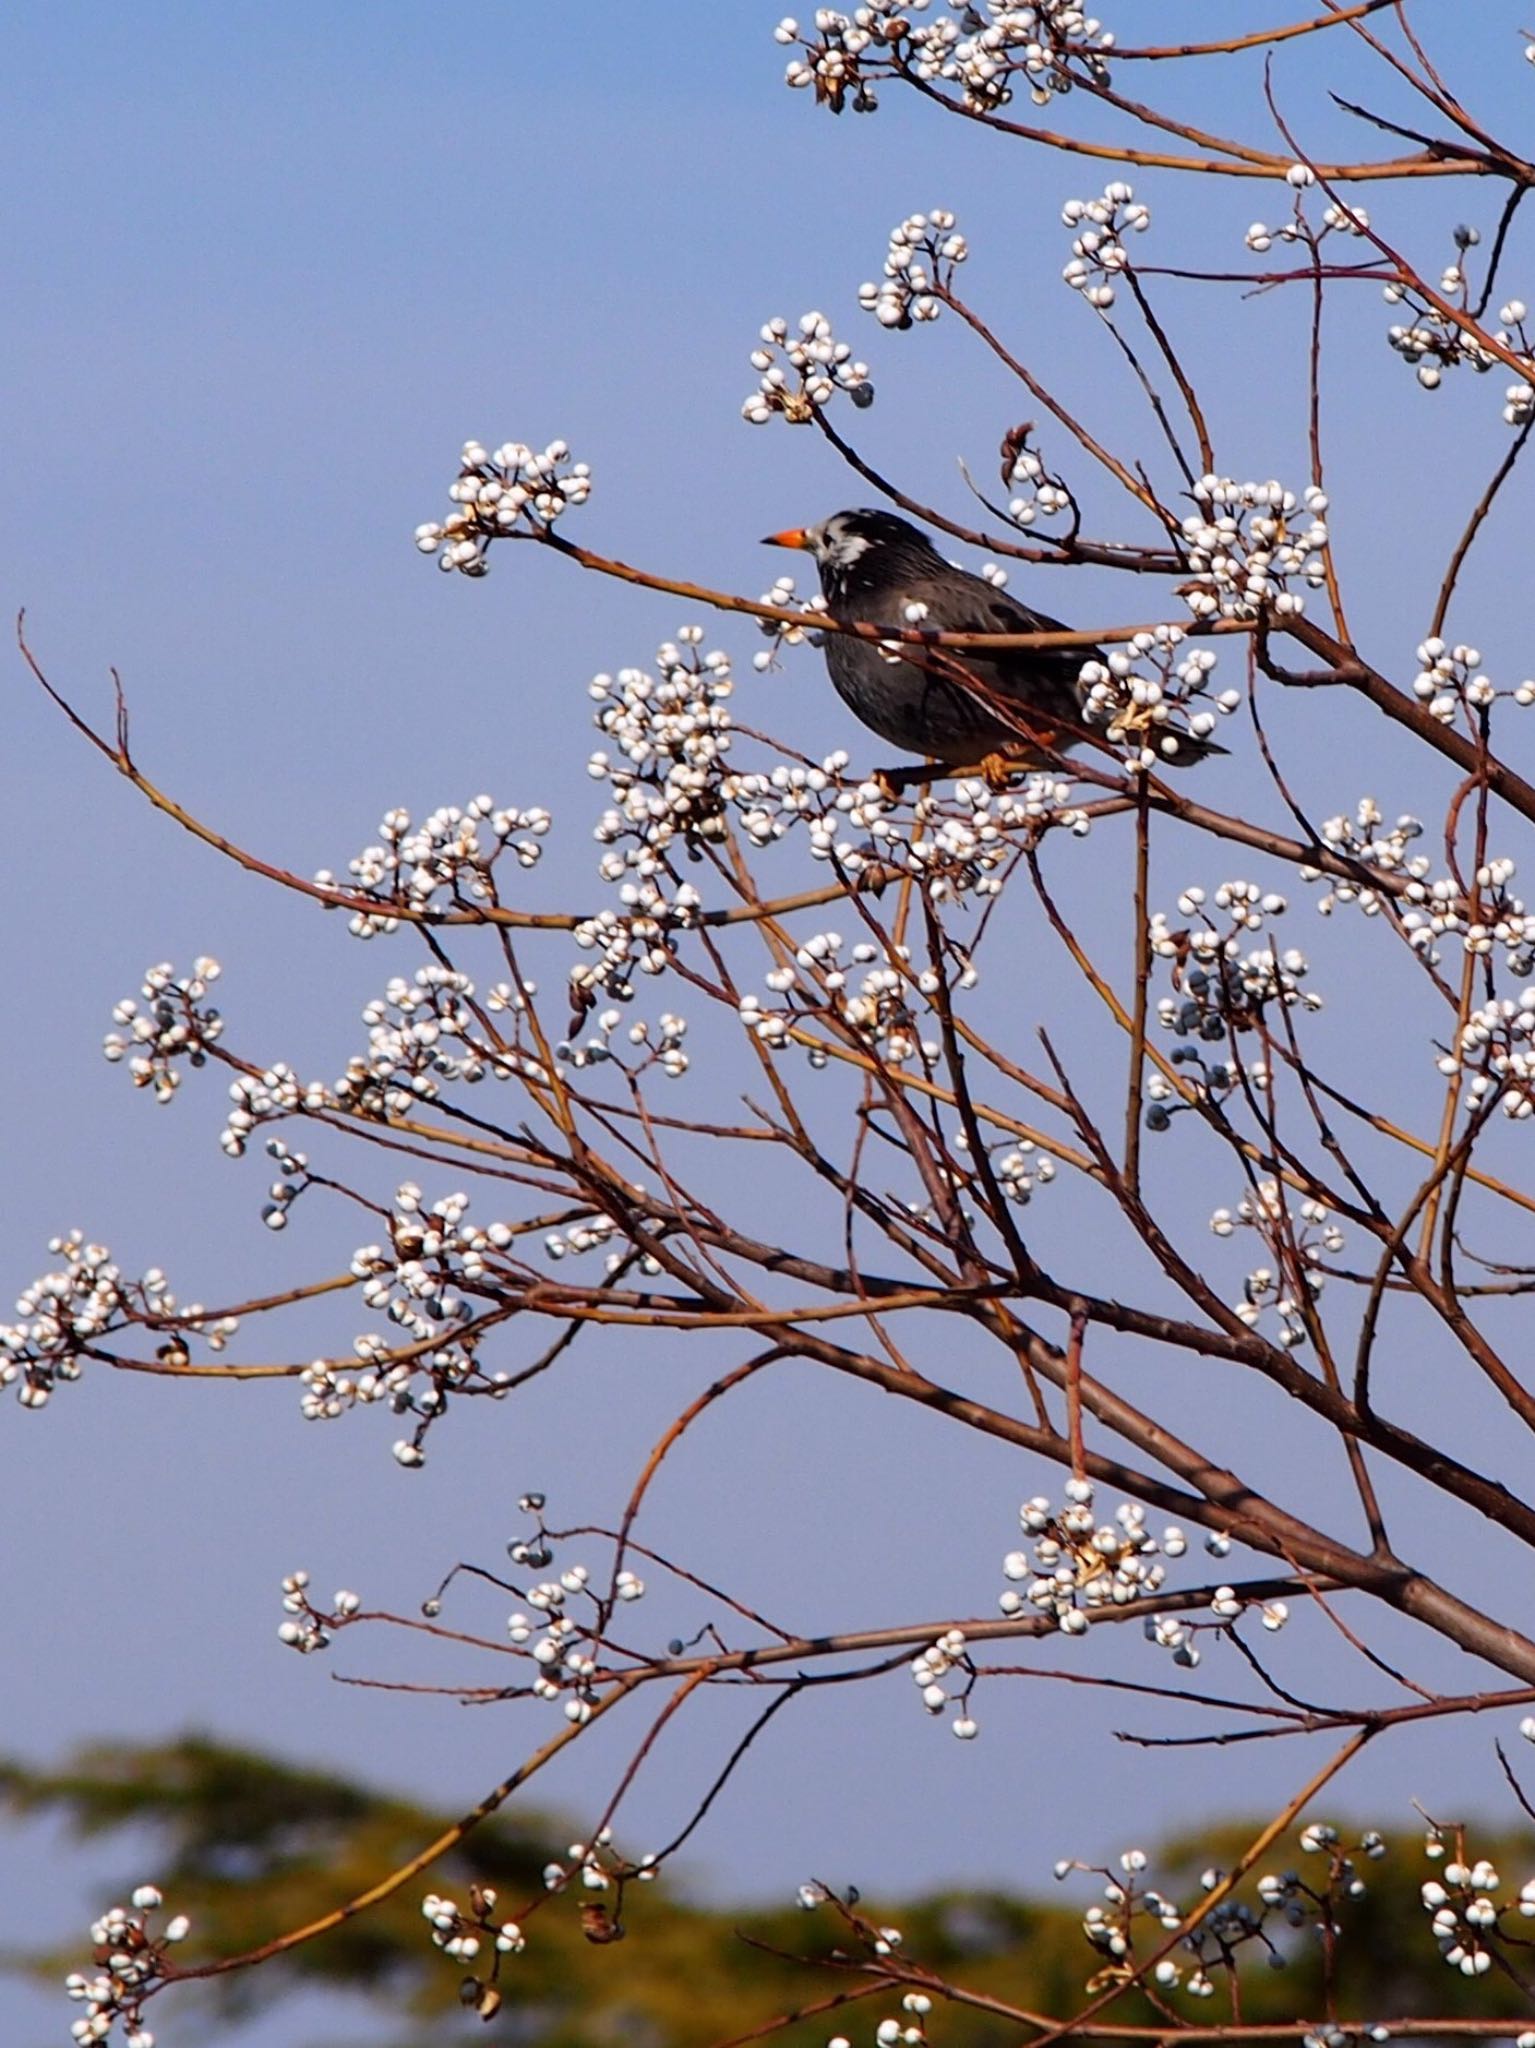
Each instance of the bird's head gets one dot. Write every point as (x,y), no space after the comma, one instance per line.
(841,542)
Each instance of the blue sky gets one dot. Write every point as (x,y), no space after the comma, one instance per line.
(267,268)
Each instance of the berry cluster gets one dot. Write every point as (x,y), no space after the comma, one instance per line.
(515,489)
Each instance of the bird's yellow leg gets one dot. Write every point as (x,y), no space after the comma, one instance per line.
(998,768)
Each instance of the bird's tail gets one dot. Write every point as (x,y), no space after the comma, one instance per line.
(1186,748)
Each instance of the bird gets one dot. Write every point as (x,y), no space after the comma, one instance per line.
(879,569)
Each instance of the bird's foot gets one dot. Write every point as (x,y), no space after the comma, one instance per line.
(999,768)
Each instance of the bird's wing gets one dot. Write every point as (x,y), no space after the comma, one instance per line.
(1045,678)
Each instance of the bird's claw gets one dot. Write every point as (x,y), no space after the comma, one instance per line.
(999,768)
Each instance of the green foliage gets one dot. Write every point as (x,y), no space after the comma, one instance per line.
(252,1847)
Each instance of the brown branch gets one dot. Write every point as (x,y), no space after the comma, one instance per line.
(1473,526)
(1429,164)
(1256,39)
(1140,912)
(423,1860)
(1406,711)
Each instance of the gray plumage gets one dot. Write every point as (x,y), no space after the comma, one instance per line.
(873,567)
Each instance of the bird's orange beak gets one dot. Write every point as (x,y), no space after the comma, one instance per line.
(791,537)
